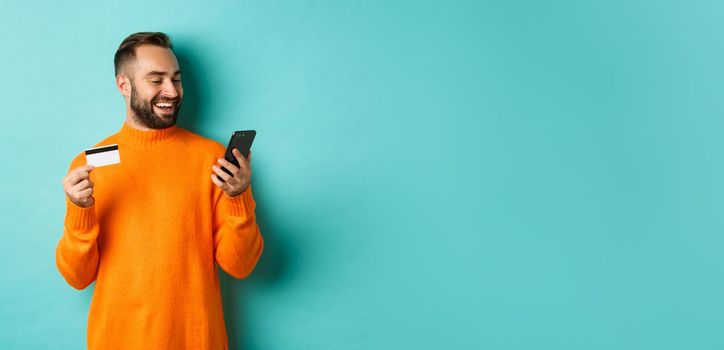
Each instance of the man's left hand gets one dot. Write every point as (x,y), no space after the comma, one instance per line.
(237,183)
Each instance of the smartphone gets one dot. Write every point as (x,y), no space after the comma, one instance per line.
(242,141)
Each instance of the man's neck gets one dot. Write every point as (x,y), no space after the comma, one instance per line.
(133,123)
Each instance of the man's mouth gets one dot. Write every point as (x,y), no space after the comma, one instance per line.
(165,107)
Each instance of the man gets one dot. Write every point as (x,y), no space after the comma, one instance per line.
(150,229)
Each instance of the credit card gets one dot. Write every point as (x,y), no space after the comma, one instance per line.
(103,155)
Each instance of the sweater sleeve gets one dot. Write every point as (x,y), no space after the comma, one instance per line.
(76,255)
(238,244)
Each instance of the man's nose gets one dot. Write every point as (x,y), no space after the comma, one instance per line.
(169,90)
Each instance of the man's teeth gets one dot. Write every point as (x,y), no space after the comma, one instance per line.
(164,105)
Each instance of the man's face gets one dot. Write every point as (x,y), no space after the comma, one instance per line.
(156,91)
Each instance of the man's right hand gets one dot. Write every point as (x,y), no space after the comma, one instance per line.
(78,186)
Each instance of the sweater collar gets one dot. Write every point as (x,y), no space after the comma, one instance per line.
(138,137)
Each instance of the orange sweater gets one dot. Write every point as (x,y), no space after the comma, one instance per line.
(151,241)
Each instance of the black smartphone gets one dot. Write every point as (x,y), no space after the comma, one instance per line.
(242,141)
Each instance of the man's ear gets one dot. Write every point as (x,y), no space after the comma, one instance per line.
(124,85)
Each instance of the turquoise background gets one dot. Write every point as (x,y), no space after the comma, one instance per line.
(429,174)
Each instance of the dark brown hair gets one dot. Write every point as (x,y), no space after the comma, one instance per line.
(126,53)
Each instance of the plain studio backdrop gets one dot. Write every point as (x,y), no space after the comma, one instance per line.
(429,174)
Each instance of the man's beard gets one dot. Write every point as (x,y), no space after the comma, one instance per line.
(143,111)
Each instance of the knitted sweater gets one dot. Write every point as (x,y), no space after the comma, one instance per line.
(152,240)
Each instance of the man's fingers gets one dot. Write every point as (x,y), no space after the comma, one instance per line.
(240,157)
(216,182)
(81,197)
(78,174)
(222,174)
(85,183)
(228,165)
(73,178)
(85,193)
(87,168)
(74,187)
(84,170)
(82,185)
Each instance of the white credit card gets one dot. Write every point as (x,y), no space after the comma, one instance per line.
(103,155)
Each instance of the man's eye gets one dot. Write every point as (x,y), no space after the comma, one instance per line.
(177,80)
(155,81)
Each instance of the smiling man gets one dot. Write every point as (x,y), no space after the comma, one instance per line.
(151,230)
